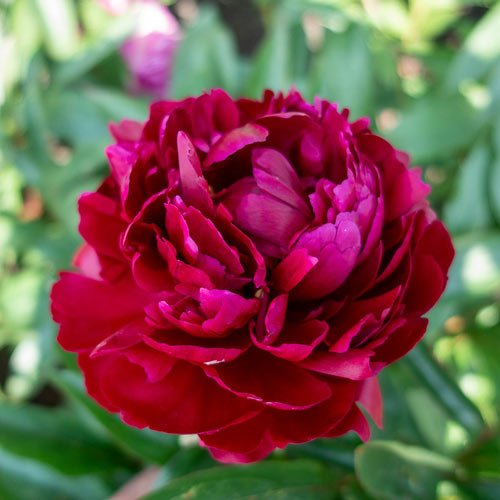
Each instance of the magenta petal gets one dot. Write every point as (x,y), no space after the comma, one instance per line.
(226,310)
(337,248)
(242,437)
(194,186)
(211,242)
(93,369)
(128,336)
(178,233)
(197,350)
(233,141)
(268,218)
(292,269)
(275,176)
(87,261)
(180,403)
(155,364)
(401,340)
(280,384)
(275,317)
(296,341)
(371,399)
(121,161)
(353,421)
(407,191)
(353,364)
(126,131)
(96,211)
(89,310)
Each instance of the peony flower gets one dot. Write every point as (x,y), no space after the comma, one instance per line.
(150,51)
(249,268)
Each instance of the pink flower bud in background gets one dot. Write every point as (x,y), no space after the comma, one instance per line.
(149,53)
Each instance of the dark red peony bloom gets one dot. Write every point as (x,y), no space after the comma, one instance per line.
(249,268)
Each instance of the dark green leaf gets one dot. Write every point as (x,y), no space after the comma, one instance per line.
(56,438)
(444,389)
(22,479)
(298,480)
(337,452)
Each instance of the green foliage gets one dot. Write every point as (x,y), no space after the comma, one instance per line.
(268,480)
(428,75)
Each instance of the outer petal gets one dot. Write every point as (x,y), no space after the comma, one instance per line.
(371,399)
(194,186)
(196,350)
(353,364)
(235,140)
(296,341)
(277,383)
(181,403)
(89,310)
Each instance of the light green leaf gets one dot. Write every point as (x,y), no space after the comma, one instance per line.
(479,52)
(109,42)
(468,207)
(342,71)
(298,480)
(206,58)
(393,471)
(272,67)
(475,272)
(445,389)
(436,127)
(494,175)
(60,25)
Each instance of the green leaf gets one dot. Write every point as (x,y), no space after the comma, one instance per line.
(117,106)
(479,52)
(60,24)
(272,67)
(298,480)
(145,444)
(57,438)
(75,119)
(184,461)
(485,489)
(434,423)
(22,479)
(337,452)
(19,294)
(342,71)
(206,58)
(468,208)
(444,388)
(475,272)
(74,69)
(494,175)
(394,471)
(436,127)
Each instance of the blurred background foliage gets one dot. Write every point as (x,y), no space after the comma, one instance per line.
(427,73)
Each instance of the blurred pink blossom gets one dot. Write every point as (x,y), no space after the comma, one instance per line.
(150,51)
